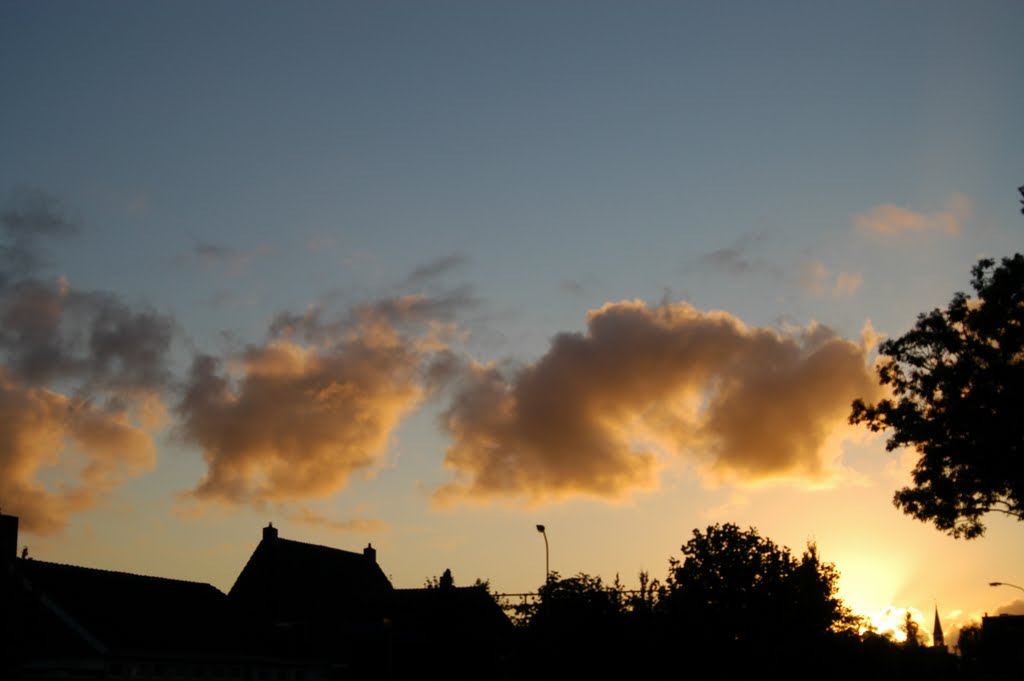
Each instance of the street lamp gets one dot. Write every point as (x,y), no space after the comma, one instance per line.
(547,555)
(1006,584)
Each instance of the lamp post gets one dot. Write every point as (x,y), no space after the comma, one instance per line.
(547,555)
(1006,584)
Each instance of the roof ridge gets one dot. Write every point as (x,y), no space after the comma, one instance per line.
(319,546)
(33,561)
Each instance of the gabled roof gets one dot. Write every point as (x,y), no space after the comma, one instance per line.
(287,581)
(108,612)
(470,609)
(451,633)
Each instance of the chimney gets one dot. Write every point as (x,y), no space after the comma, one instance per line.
(370,553)
(269,532)
(8,537)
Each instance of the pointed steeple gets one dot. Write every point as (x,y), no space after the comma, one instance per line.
(937,639)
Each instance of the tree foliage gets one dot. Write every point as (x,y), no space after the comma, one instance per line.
(576,626)
(968,644)
(573,603)
(957,383)
(912,631)
(737,602)
(738,587)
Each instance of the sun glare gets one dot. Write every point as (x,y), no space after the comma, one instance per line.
(889,622)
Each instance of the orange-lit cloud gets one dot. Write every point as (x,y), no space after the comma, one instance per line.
(960,620)
(311,406)
(891,623)
(1014,607)
(306,516)
(888,220)
(83,451)
(813,277)
(846,284)
(592,414)
(63,448)
(816,280)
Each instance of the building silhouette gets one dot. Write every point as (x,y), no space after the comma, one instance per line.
(296,612)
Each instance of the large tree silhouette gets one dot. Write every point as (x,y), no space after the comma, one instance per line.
(957,382)
(738,590)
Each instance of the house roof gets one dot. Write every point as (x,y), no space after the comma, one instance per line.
(289,581)
(111,612)
(469,610)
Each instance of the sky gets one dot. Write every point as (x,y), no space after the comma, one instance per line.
(427,274)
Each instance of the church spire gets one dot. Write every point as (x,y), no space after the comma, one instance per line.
(937,639)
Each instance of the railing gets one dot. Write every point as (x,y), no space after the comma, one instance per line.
(515,605)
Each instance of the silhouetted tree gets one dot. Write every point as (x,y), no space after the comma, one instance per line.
(912,630)
(445,581)
(957,380)
(582,601)
(576,627)
(645,599)
(968,643)
(740,596)
(817,607)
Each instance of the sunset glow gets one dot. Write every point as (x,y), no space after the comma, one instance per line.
(425,275)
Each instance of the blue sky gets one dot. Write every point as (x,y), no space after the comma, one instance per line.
(523,163)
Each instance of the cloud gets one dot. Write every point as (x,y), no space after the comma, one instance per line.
(306,516)
(869,336)
(316,325)
(434,269)
(891,620)
(295,417)
(27,216)
(81,378)
(572,286)
(739,258)
(888,220)
(813,275)
(846,284)
(51,332)
(963,620)
(215,258)
(88,448)
(1014,607)
(591,415)
(816,280)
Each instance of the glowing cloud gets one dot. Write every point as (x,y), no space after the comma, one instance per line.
(815,280)
(813,275)
(846,284)
(60,454)
(296,419)
(87,450)
(306,516)
(592,414)
(888,220)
